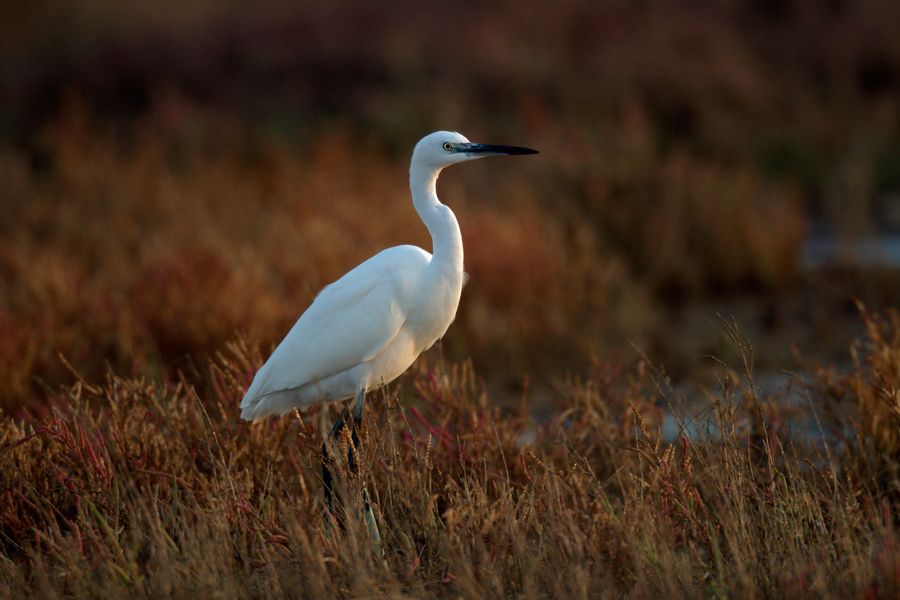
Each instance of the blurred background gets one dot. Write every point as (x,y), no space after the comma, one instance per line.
(174,174)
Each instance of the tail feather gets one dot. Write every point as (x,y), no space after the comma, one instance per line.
(266,405)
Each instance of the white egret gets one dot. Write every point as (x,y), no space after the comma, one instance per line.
(368,327)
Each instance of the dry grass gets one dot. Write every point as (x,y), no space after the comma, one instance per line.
(175,177)
(170,175)
(120,256)
(158,492)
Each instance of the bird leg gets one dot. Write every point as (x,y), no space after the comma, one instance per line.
(369,516)
(357,427)
(352,452)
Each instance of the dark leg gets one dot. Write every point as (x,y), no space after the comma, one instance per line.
(369,516)
(352,453)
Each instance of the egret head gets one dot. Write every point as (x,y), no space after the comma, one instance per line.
(444,148)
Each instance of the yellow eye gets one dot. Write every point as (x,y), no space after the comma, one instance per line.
(448,146)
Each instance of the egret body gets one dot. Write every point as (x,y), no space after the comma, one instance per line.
(368,327)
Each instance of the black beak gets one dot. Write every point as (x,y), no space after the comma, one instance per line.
(487,149)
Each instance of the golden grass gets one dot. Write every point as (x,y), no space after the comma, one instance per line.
(174,177)
(172,174)
(158,492)
(126,249)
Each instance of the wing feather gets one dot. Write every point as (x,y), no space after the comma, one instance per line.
(349,323)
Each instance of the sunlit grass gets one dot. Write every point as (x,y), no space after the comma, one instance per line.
(123,249)
(137,487)
(172,174)
(176,180)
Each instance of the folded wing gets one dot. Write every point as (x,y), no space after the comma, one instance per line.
(349,323)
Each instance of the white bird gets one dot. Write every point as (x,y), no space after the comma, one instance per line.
(368,327)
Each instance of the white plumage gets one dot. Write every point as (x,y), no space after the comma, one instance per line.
(369,326)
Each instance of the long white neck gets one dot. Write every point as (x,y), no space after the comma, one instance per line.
(438,218)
